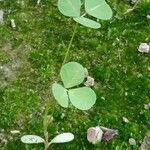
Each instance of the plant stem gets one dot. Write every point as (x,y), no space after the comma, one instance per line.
(45,117)
(45,125)
(69,46)
(129,10)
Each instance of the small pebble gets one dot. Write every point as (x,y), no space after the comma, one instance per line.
(132,141)
(62,116)
(109,134)
(89,81)
(144,48)
(125,120)
(145,145)
(94,134)
(15,132)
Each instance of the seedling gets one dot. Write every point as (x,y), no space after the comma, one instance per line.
(34,139)
(72,74)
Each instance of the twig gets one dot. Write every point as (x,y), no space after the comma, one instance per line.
(130,10)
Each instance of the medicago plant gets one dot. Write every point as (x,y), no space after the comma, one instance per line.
(72,74)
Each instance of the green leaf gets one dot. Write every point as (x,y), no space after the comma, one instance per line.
(69,8)
(60,94)
(82,98)
(72,74)
(98,8)
(31,139)
(63,138)
(87,22)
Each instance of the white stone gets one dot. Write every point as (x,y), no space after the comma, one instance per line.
(15,132)
(89,81)
(144,48)
(125,120)
(132,141)
(94,134)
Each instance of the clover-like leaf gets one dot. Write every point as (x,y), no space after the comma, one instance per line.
(60,94)
(31,139)
(82,98)
(87,22)
(98,8)
(69,8)
(72,74)
(63,138)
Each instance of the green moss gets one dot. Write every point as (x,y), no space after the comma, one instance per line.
(110,53)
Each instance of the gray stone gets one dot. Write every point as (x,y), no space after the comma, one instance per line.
(146,142)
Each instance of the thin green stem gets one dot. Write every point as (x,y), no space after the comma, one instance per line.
(46,121)
(45,117)
(69,46)
(45,125)
(129,10)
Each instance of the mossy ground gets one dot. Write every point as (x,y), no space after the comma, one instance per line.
(33,53)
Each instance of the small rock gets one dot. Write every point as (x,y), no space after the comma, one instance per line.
(94,134)
(132,141)
(146,142)
(125,120)
(109,134)
(15,132)
(144,48)
(1,16)
(62,116)
(89,81)
(13,25)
